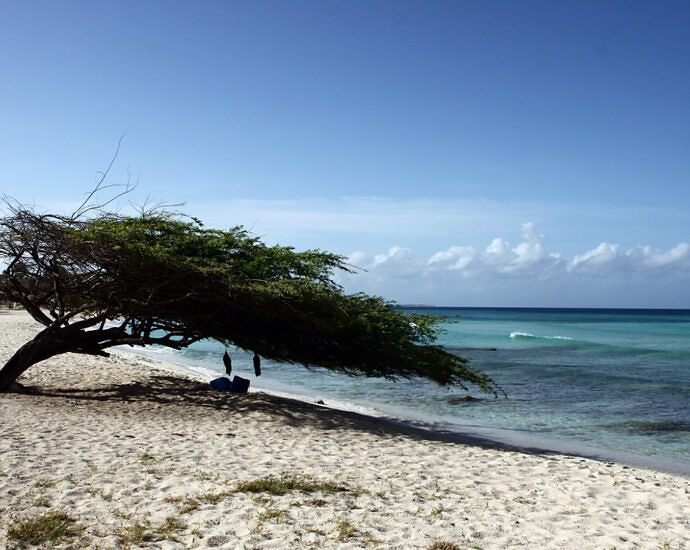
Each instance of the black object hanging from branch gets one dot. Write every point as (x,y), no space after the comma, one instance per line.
(227,362)
(257,365)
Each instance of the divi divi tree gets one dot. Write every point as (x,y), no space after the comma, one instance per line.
(98,279)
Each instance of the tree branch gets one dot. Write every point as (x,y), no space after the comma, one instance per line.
(86,207)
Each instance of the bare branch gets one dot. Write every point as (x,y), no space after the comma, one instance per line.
(149,209)
(87,206)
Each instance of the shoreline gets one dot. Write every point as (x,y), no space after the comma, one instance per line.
(354,412)
(126,446)
(471,434)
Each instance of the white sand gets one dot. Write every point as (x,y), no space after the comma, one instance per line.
(118,442)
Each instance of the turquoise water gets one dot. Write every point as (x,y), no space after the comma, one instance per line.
(607,383)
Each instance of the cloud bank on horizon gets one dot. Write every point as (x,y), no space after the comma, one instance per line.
(527,274)
(447,252)
(459,252)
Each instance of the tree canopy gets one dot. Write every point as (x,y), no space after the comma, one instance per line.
(164,279)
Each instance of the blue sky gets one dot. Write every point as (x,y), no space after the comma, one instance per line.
(464,153)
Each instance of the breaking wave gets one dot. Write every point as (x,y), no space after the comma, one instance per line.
(518,334)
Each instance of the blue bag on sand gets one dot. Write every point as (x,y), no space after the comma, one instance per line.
(239,385)
(222,384)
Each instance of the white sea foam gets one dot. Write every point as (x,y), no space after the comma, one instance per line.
(518,334)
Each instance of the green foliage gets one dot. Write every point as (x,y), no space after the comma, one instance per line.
(140,532)
(162,275)
(277,302)
(288,482)
(346,530)
(443,545)
(43,529)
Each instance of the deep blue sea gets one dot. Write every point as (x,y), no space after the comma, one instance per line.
(612,384)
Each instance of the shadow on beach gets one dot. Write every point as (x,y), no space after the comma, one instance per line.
(172,391)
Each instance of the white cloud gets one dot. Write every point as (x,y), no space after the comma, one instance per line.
(607,258)
(532,248)
(528,258)
(645,258)
(476,252)
(521,272)
(497,249)
(397,263)
(455,257)
(603,259)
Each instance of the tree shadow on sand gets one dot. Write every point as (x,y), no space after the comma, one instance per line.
(172,391)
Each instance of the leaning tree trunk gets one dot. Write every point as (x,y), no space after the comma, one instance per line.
(54,341)
(59,338)
(29,354)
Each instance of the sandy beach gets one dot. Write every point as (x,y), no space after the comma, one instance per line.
(139,454)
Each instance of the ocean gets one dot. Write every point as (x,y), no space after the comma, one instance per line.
(605,383)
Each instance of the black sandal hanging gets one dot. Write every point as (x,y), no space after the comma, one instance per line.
(227,362)
(257,365)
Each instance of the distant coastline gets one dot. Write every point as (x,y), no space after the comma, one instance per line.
(642,311)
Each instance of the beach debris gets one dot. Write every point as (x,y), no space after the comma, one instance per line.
(221,384)
(457,400)
(239,385)
(670,426)
(257,365)
(227,362)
